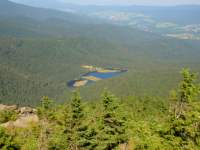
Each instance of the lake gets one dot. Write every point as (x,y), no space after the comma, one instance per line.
(95,76)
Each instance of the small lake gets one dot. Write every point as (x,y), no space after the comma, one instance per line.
(95,76)
(103,75)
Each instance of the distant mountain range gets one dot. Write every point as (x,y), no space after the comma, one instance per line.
(183,14)
(181,22)
(21,10)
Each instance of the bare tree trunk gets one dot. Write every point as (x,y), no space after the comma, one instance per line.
(123,146)
(179,109)
(43,142)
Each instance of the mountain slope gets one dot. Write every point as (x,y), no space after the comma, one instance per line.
(20,10)
(39,56)
(181,14)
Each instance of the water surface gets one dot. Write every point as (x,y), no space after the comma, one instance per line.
(95,76)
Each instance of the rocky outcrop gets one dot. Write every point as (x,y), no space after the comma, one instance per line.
(26,116)
(5,107)
(22,122)
(27,110)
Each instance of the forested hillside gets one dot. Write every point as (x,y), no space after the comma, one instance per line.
(42,49)
(148,107)
(180,14)
(131,123)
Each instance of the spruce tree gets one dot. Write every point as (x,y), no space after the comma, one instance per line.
(79,135)
(186,92)
(46,109)
(7,141)
(184,124)
(46,114)
(112,131)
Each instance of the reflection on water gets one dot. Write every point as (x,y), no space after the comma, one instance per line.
(95,76)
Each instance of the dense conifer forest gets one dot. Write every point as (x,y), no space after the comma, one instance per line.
(112,123)
(149,107)
(42,49)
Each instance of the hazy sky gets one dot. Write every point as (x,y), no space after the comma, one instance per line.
(118,2)
(136,2)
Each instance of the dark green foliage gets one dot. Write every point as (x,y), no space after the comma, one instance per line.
(7,115)
(184,125)
(7,141)
(77,110)
(40,50)
(46,113)
(78,134)
(76,128)
(183,132)
(188,90)
(57,139)
(39,55)
(46,110)
(134,123)
(113,129)
(89,140)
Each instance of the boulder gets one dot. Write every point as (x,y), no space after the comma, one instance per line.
(5,107)
(26,116)
(22,122)
(27,110)
(9,124)
(25,121)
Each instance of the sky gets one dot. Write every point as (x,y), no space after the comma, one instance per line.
(118,2)
(134,2)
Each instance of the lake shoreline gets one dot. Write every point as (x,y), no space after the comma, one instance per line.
(94,76)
